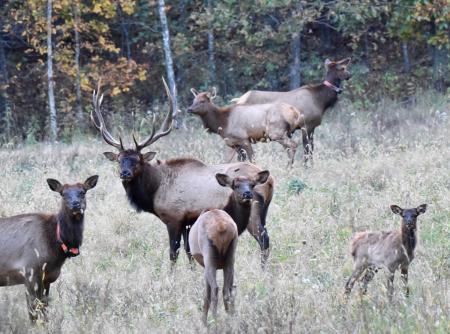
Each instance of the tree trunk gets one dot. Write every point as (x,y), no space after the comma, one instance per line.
(51,83)
(79,105)
(125,33)
(3,84)
(439,60)
(211,55)
(169,61)
(406,61)
(295,67)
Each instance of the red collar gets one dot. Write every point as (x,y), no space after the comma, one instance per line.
(70,252)
(333,87)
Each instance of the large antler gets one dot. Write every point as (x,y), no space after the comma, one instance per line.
(165,129)
(100,125)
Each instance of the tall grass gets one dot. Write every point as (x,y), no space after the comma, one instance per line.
(365,160)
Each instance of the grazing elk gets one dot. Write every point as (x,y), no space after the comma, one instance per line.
(33,247)
(390,250)
(312,100)
(242,125)
(213,239)
(178,190)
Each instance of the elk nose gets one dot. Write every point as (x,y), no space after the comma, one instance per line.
(190,110)
(125,174)
(76,205)
(248,195)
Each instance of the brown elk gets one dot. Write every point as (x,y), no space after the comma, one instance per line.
(34,246)
(312,100)
(242,125)
(178,190)
(390,250)
(213,239)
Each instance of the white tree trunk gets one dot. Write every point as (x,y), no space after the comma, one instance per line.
(295,67)
(168,58)
(212,63)
(79,108)
(51,83)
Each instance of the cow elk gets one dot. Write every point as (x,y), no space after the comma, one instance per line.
(311,100)
(213,239)
(242,125)
(34,246)
(390,250)
(178,190)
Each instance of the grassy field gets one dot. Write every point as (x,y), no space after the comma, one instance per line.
(365,161)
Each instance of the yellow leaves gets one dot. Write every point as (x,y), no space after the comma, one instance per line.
(115,91)
(127,6)
(142,75)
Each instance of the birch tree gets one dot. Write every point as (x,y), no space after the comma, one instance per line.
(51,83)
(168,57)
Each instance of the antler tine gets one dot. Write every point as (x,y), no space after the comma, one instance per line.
(166,127)
(140,146)
(100,125)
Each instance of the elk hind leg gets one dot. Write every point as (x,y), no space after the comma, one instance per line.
(368,276)
(211,283)
(228,279)
(404,272)
(353,278)
(291,148)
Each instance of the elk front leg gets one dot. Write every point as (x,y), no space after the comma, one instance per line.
(256,228)
(248,150)
(404,272)
(390,285)
(368,276)
(291,148)
(174,240)
(186,231)
(35,297)
(231,152)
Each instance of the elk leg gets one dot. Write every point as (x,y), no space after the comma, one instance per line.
(174,239)
(390,285)
(256,228)
(35,297)
(248,150)
(308,145)
(404,277)
(355,276)
(210,277)
(291,147)
(228,279)
(230,154)
(368,276)
(186,243)
(206,302)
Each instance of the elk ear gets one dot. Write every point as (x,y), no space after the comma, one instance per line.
(148,156)
(421,209)
(345,61)
(194,92)
(90,182)
(262,177)
(55,185)
(224,180)
(396,209)
(329,63)
(213,93)
(110,156)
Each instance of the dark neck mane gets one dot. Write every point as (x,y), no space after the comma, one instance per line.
(71,228)
(240,212)
(409,240)
(216,117)
(142,188)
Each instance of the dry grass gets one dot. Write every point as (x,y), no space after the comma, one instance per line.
(122,281)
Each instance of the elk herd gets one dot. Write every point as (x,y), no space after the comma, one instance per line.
(208,206)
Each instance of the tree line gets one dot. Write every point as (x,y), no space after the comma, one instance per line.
(54,52)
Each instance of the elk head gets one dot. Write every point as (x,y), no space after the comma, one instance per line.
(242,187)
(202,101)
(73,195)
(131,160)
(409,216)
(337,69)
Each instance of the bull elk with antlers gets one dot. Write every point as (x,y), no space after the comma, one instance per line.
(242,125)
(178,190)
(312,100)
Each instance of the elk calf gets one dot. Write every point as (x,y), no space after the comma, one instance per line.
(390,250)
(242,125)
(33,247)
(213,239)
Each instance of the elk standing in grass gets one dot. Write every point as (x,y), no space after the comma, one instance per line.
(312,100)
(242,125)
(213,239)
(33,247)
(390,250)
(178,190)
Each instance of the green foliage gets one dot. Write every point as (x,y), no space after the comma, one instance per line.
(296,186)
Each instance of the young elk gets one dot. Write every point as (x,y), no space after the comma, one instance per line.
(34,246)
(213,239)
(242,125)
(390,250)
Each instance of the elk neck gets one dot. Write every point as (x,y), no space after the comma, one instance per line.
(216,118)
(71,227)
(409,239)
(240,212)
(142,188)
